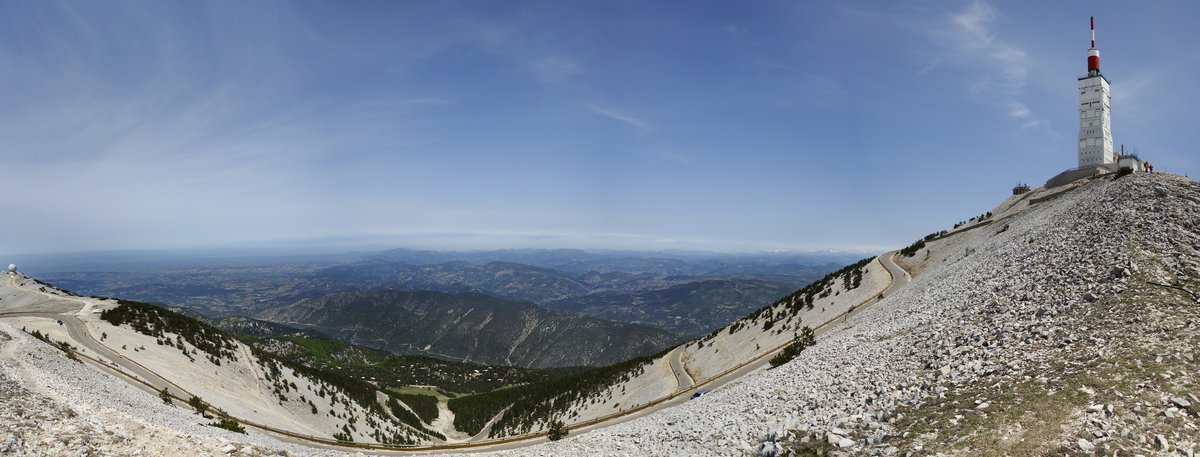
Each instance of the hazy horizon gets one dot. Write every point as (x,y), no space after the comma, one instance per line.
(316,250)
(725,127)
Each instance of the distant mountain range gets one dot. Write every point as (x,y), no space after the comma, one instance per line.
(502,279)
(684,292)
(472,327)
(691,308)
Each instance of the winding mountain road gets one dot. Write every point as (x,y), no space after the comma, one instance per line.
(899,278)
(685,383)
(77,330)
(683,380)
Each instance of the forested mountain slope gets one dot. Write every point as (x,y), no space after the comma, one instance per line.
(473,327)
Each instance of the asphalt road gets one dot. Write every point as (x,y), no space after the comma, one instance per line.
(899,279)
(683,380)
(78,332)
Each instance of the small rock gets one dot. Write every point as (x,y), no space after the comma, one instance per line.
(228,449)
(1090,297)
(9,444)
(1086,446)
(1162,442)
(945,370)
(983,405)
(768,450)
(847,442)
(1181,402)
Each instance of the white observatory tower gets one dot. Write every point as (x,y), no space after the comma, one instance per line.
(1095,110)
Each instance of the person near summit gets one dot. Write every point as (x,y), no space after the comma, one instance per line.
(1149,168)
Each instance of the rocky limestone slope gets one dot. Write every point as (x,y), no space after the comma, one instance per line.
(52,406)
(1064,326)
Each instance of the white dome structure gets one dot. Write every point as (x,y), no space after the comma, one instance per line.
(12,268)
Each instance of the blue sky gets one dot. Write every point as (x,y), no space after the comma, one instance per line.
(727,126)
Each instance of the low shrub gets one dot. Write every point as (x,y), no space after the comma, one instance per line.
(805,339)
(229,424)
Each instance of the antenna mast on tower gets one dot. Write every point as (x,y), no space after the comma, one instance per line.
(1093,53)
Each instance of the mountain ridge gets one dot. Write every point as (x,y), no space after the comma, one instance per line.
(471,326)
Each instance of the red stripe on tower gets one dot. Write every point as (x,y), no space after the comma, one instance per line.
(1093,53)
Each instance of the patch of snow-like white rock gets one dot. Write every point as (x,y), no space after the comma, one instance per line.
(50,405)
(726,351)
(240,387)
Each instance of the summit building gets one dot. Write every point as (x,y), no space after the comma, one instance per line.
(1095,113)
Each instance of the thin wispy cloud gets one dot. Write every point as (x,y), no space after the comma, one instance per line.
(129,124)
(815,82)
(971,33)
(555,69)
(999,67)
(618,116)
(1018,110)
(1140,92)
(667,157)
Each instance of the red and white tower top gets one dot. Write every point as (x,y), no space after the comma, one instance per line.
(1093,53)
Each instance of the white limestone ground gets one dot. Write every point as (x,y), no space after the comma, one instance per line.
(238,387)
(1023,305)
(444,424)
(724,351)
(655,381)
(50,405)
(727,350)
(46,326)
(13,299)
(242,388)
